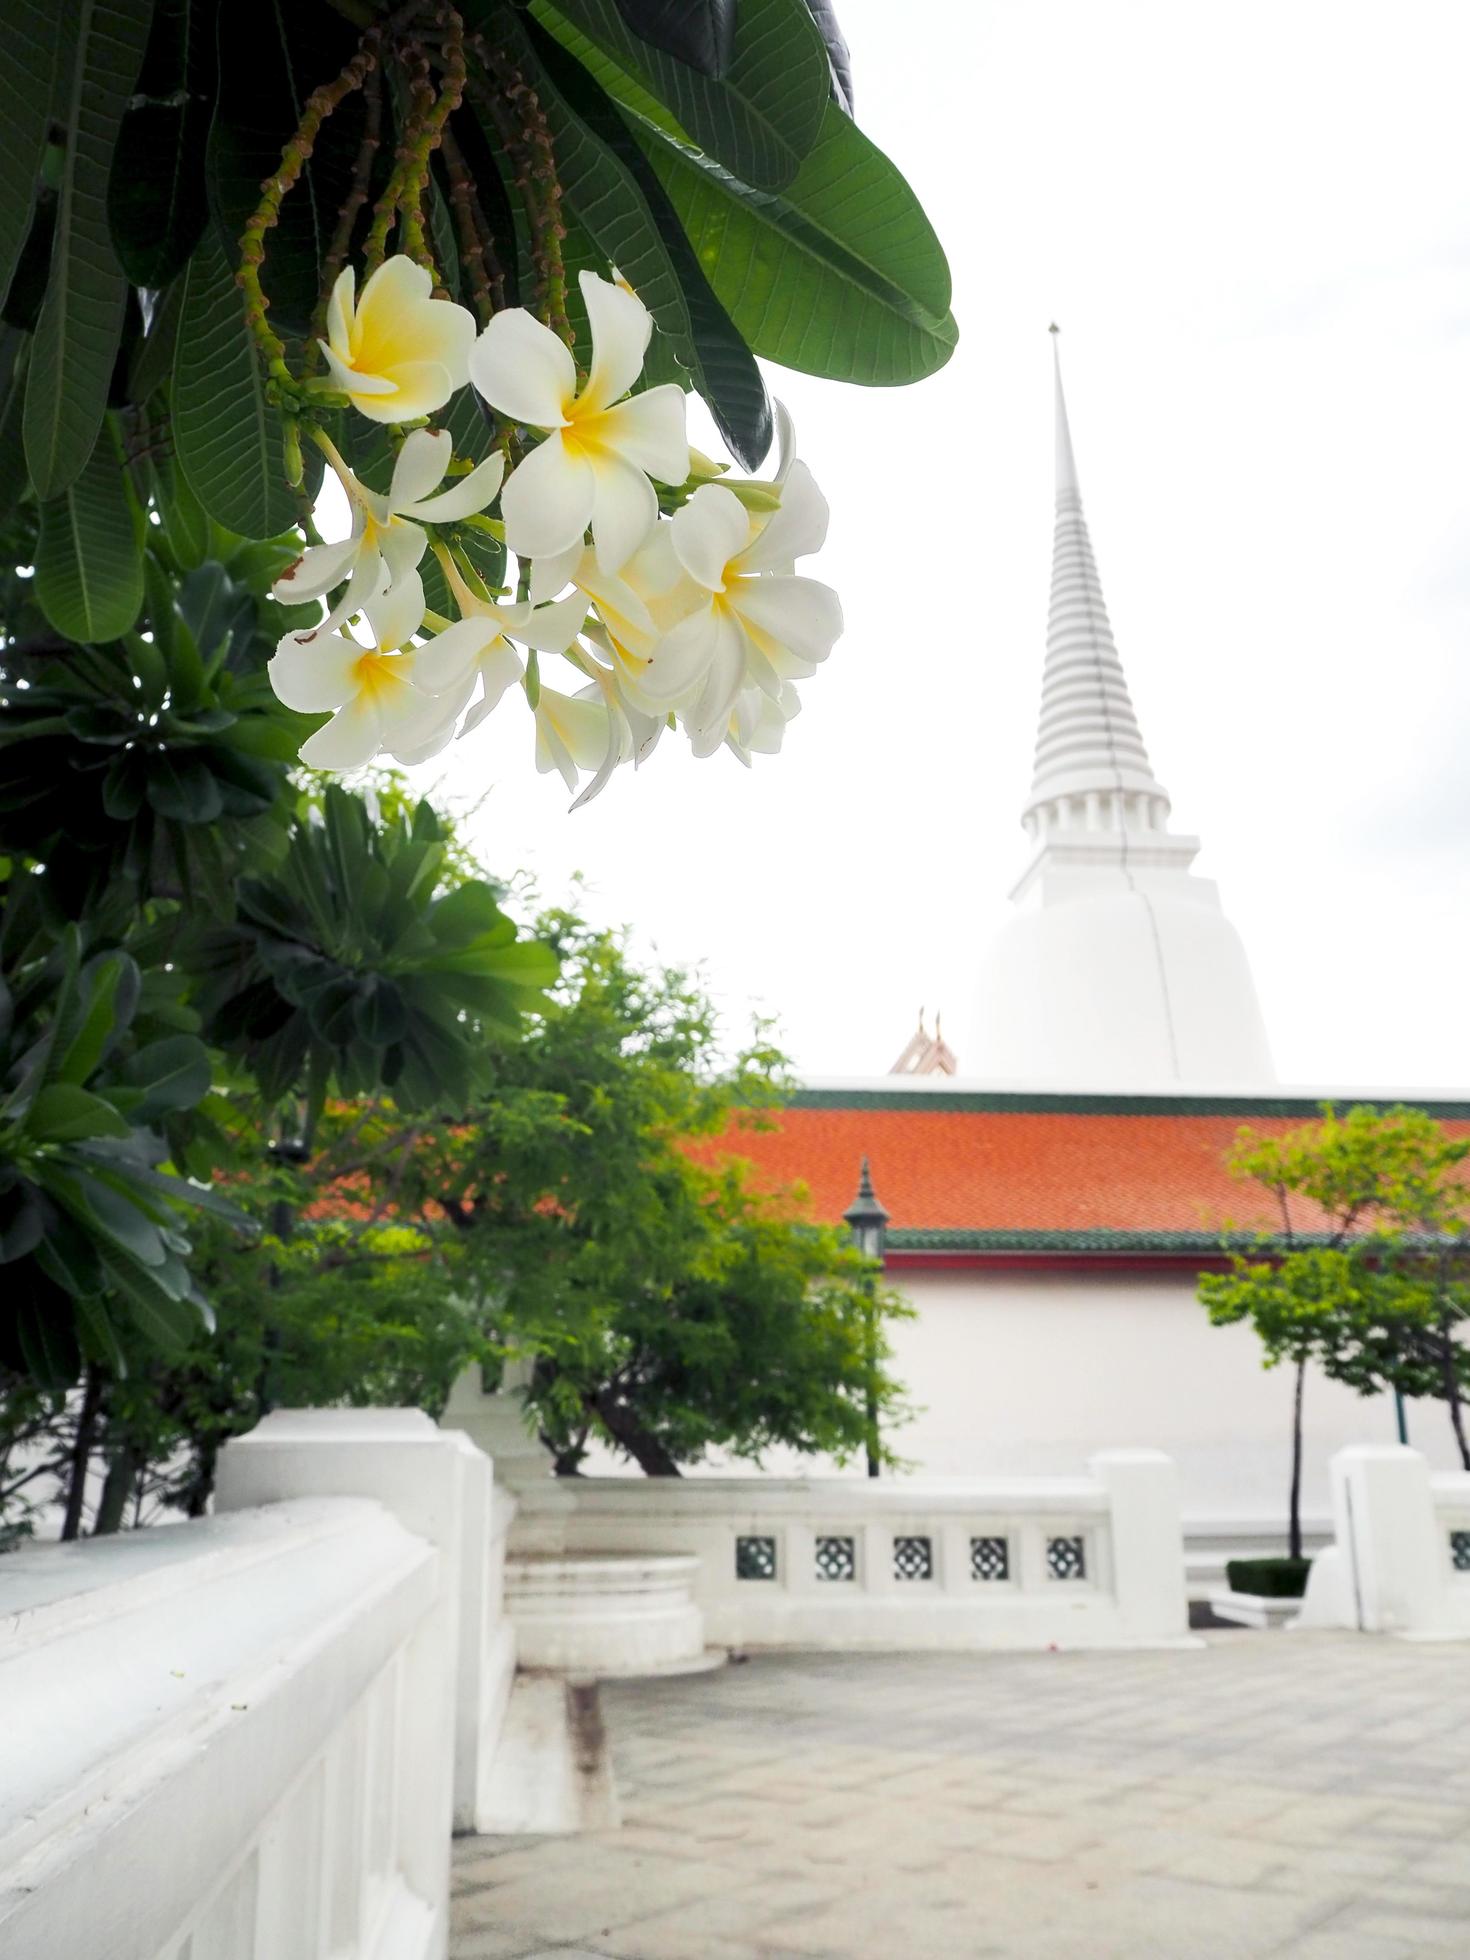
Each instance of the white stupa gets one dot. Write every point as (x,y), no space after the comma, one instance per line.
(1118,970)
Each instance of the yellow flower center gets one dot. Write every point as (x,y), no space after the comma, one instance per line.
(378,673)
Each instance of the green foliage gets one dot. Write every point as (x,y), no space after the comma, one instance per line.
(669,1308)
(89,1224)
(351,968)
(1369,1276)
(704,150)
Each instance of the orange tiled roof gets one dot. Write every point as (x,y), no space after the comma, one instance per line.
(957,1169)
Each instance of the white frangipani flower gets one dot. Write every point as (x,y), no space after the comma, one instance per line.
(756,623)
(477,647)
(396,352)
(579,731)
(758,722)
(375,692)
(387,541)
(600,450)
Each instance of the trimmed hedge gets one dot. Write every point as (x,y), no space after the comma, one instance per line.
(1268,1578)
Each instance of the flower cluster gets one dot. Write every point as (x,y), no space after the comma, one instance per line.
(672,596)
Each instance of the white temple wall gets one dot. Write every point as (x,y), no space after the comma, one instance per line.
(1026,1374)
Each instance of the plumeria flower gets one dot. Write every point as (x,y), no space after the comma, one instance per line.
(757,722)
(634,607)
(387,540)
(579,731)
(756,622)
(375,692)
(600,450)
(477,647)
(396,353)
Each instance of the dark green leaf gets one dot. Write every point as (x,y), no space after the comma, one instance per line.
(175,1072)
(63,1113)
(14,353)
(156,199)
(700,33)
(32,32)
(89,568)
(759,120)
(227,435)
(81,318)
(825,15)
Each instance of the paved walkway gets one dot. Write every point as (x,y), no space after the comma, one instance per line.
(1300,1795)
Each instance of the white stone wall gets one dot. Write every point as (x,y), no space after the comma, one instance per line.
(1023,1374)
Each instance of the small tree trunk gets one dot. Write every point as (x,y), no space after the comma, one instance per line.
(1296,1459)
(201,1487)
(629,1434)
(1452,1386)
(81,1454)
(121,1481)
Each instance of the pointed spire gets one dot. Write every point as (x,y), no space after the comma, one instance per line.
(1092,769)
(1067,485)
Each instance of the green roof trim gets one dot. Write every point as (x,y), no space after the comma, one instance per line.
(1062,1103)
(1098,1239)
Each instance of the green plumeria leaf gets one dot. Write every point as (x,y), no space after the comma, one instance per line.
(63,1113)
(840,275)
(156,197)
(82,315)
(227,435)
(32,32)
(89,565)
(759,119)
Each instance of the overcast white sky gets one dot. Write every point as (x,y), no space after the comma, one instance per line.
(1253,228)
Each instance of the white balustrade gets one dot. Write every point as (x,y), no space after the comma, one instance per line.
(1400,1561)
(1094,1561)
(245,1737)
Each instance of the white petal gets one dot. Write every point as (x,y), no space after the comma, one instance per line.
(466,496)
(312,679)
(443,662)
(340,308)
(547,501)
(500,668)
(352,737)
(403,545)
(621,327)
(550,629)
(388,294)
(707,532)
(681,660)
(710,714)
(317,570)
(368,582)
(397,614)
(420,468)
(785,441)
(649,430)
(553,572)
(798,528)
(523,370)
(800,614)
(624,510)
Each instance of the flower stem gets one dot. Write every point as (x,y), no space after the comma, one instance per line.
(521,122)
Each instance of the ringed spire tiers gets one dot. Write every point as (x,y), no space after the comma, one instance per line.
(1118,968)
(1089,745)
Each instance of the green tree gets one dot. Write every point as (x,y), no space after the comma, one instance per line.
(669,1307)
(1367,1272)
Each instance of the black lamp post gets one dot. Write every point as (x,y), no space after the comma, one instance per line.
(867,1220)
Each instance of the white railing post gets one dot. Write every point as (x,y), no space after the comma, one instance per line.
(1147,1541)
(430,1482)
(1389,1537)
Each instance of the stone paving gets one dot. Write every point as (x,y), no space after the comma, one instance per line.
(1301,1795)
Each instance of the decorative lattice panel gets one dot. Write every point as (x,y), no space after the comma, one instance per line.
(990,1559)
(1066,1558)
(755,1558)
(913,1558)
(1460,1550)
(836,1558)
